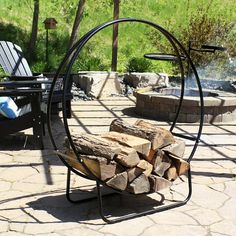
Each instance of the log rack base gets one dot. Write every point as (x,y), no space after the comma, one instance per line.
(99,196)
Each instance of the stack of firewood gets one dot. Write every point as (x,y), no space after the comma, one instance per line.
(137,158)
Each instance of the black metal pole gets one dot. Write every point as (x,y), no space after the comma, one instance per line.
(115,36)
(46,46)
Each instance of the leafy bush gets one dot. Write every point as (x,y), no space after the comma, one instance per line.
(15,34)
(204,25)
(38,67)
(136,64)
(204,29)
(89,63)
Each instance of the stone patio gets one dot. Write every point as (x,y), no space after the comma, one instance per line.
(32,183)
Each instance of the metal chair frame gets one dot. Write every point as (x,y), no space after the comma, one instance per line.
(74,52)
(33,119)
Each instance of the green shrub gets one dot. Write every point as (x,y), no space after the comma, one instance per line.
(206,30)
(89,63)
(204,25)
(38,67)
(13,33)
(3,74)
(136,64)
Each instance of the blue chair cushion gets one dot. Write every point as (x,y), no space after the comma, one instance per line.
(8,108)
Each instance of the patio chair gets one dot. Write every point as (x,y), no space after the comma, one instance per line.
(20,108)
(16,66)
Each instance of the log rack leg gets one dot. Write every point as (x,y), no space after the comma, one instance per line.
(134,215)
(68,191)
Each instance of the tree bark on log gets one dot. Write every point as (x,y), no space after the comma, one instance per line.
(92,145)
(163,136)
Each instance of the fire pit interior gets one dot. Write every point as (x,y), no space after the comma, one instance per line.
(187,92)
(162,104)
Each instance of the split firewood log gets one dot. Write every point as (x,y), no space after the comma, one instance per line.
(139,185)
(158,183)
(93,145)
(177,148)
(134,173)
(161,162)
(101,146)
(128,157)
(141,145)
(119,181)
(171,173)
(180,164)
(159,137)
(102,168)
(146,167)
(150,156)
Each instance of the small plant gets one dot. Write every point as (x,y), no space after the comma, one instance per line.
(38,67)
(136,64)
(3,74)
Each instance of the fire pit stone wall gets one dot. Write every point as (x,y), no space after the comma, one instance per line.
(220,107)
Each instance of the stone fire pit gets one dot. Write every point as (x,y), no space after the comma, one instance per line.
(162,104)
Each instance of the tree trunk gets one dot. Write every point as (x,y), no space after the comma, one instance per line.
(75,29)
(34,32)
(115,36)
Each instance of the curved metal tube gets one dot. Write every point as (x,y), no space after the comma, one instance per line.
(75,50)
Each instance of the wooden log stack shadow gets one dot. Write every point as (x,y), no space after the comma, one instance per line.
(139,158)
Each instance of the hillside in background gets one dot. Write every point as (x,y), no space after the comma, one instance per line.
(211,21)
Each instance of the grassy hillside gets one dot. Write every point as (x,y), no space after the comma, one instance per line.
(186,19)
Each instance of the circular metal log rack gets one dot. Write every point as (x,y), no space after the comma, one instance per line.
(73,54)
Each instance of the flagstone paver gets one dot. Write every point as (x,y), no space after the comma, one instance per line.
(32,184)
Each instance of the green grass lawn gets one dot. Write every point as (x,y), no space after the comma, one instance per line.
(183,18)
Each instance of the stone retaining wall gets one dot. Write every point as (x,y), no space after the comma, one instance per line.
(98,83)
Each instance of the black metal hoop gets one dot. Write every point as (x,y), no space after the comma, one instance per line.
(74,52)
